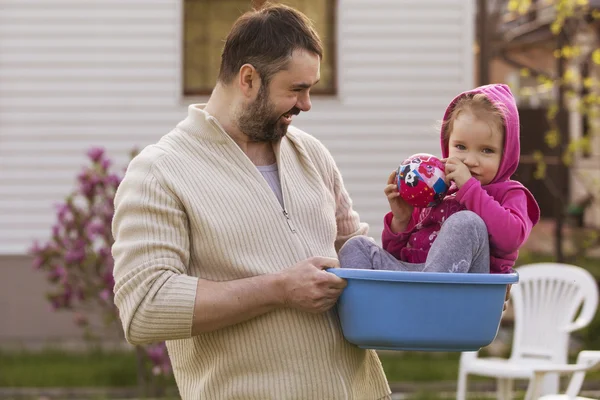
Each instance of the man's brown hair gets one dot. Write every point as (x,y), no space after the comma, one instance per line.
(266,38)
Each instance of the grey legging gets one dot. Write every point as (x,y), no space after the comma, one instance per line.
(462,245)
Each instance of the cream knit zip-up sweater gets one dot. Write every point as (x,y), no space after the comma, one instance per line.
(194,206)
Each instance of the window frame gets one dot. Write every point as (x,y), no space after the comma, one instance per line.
(332,54)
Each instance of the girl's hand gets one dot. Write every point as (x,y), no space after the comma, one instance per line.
(401,210)
(456,171)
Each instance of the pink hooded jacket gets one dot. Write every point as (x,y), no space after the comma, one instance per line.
(506,206)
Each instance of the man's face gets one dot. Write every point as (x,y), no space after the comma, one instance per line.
(266,119)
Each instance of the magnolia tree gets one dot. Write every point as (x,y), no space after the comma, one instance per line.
(78,263)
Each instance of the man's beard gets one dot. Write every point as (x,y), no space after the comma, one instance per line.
(258,122)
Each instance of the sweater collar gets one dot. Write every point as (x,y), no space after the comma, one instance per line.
(203,125)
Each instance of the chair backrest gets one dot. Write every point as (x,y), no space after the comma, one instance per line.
(546,302)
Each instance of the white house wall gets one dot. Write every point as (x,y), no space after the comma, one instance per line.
(82,73)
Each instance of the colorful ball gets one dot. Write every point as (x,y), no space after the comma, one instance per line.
(421,180)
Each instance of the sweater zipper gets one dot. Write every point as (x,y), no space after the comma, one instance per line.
(290,224)
(289,221)
(329,315)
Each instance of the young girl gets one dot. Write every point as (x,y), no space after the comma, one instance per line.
(485,217)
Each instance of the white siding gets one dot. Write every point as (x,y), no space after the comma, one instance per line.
(79,73)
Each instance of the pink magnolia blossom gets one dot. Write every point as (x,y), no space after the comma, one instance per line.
(56,230)
(157,353)
(105,252)
(37,262)
(75,256)
(109,280)
(106,295)
(55,303)
(77,259)
(94,229)
(112,180)
(57,274)
(96,154)
(64,212)
(105,164)
(35,247)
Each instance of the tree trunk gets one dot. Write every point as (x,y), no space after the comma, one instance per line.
(483,31)
(562,181)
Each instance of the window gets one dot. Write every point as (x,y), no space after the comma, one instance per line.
(207,23)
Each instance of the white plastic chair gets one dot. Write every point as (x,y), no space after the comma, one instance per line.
(546,302)
(586,361)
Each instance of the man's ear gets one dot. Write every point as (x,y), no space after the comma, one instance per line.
(249,80)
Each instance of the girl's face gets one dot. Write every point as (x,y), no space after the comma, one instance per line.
(478,145)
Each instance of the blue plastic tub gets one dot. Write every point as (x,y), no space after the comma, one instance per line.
(426,311)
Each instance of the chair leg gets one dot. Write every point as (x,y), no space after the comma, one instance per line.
(504,389)
(551,384)
(509,389)
(500,389)
(461,390)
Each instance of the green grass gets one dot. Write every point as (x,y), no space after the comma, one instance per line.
(435,367)
(420,367)
(436,396)
(98,369)
(53,368)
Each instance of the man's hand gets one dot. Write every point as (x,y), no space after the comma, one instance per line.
(507,297)
(307,287)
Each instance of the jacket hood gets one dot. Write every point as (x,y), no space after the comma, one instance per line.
(501,96)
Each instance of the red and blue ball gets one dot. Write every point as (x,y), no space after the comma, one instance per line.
(421,180)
